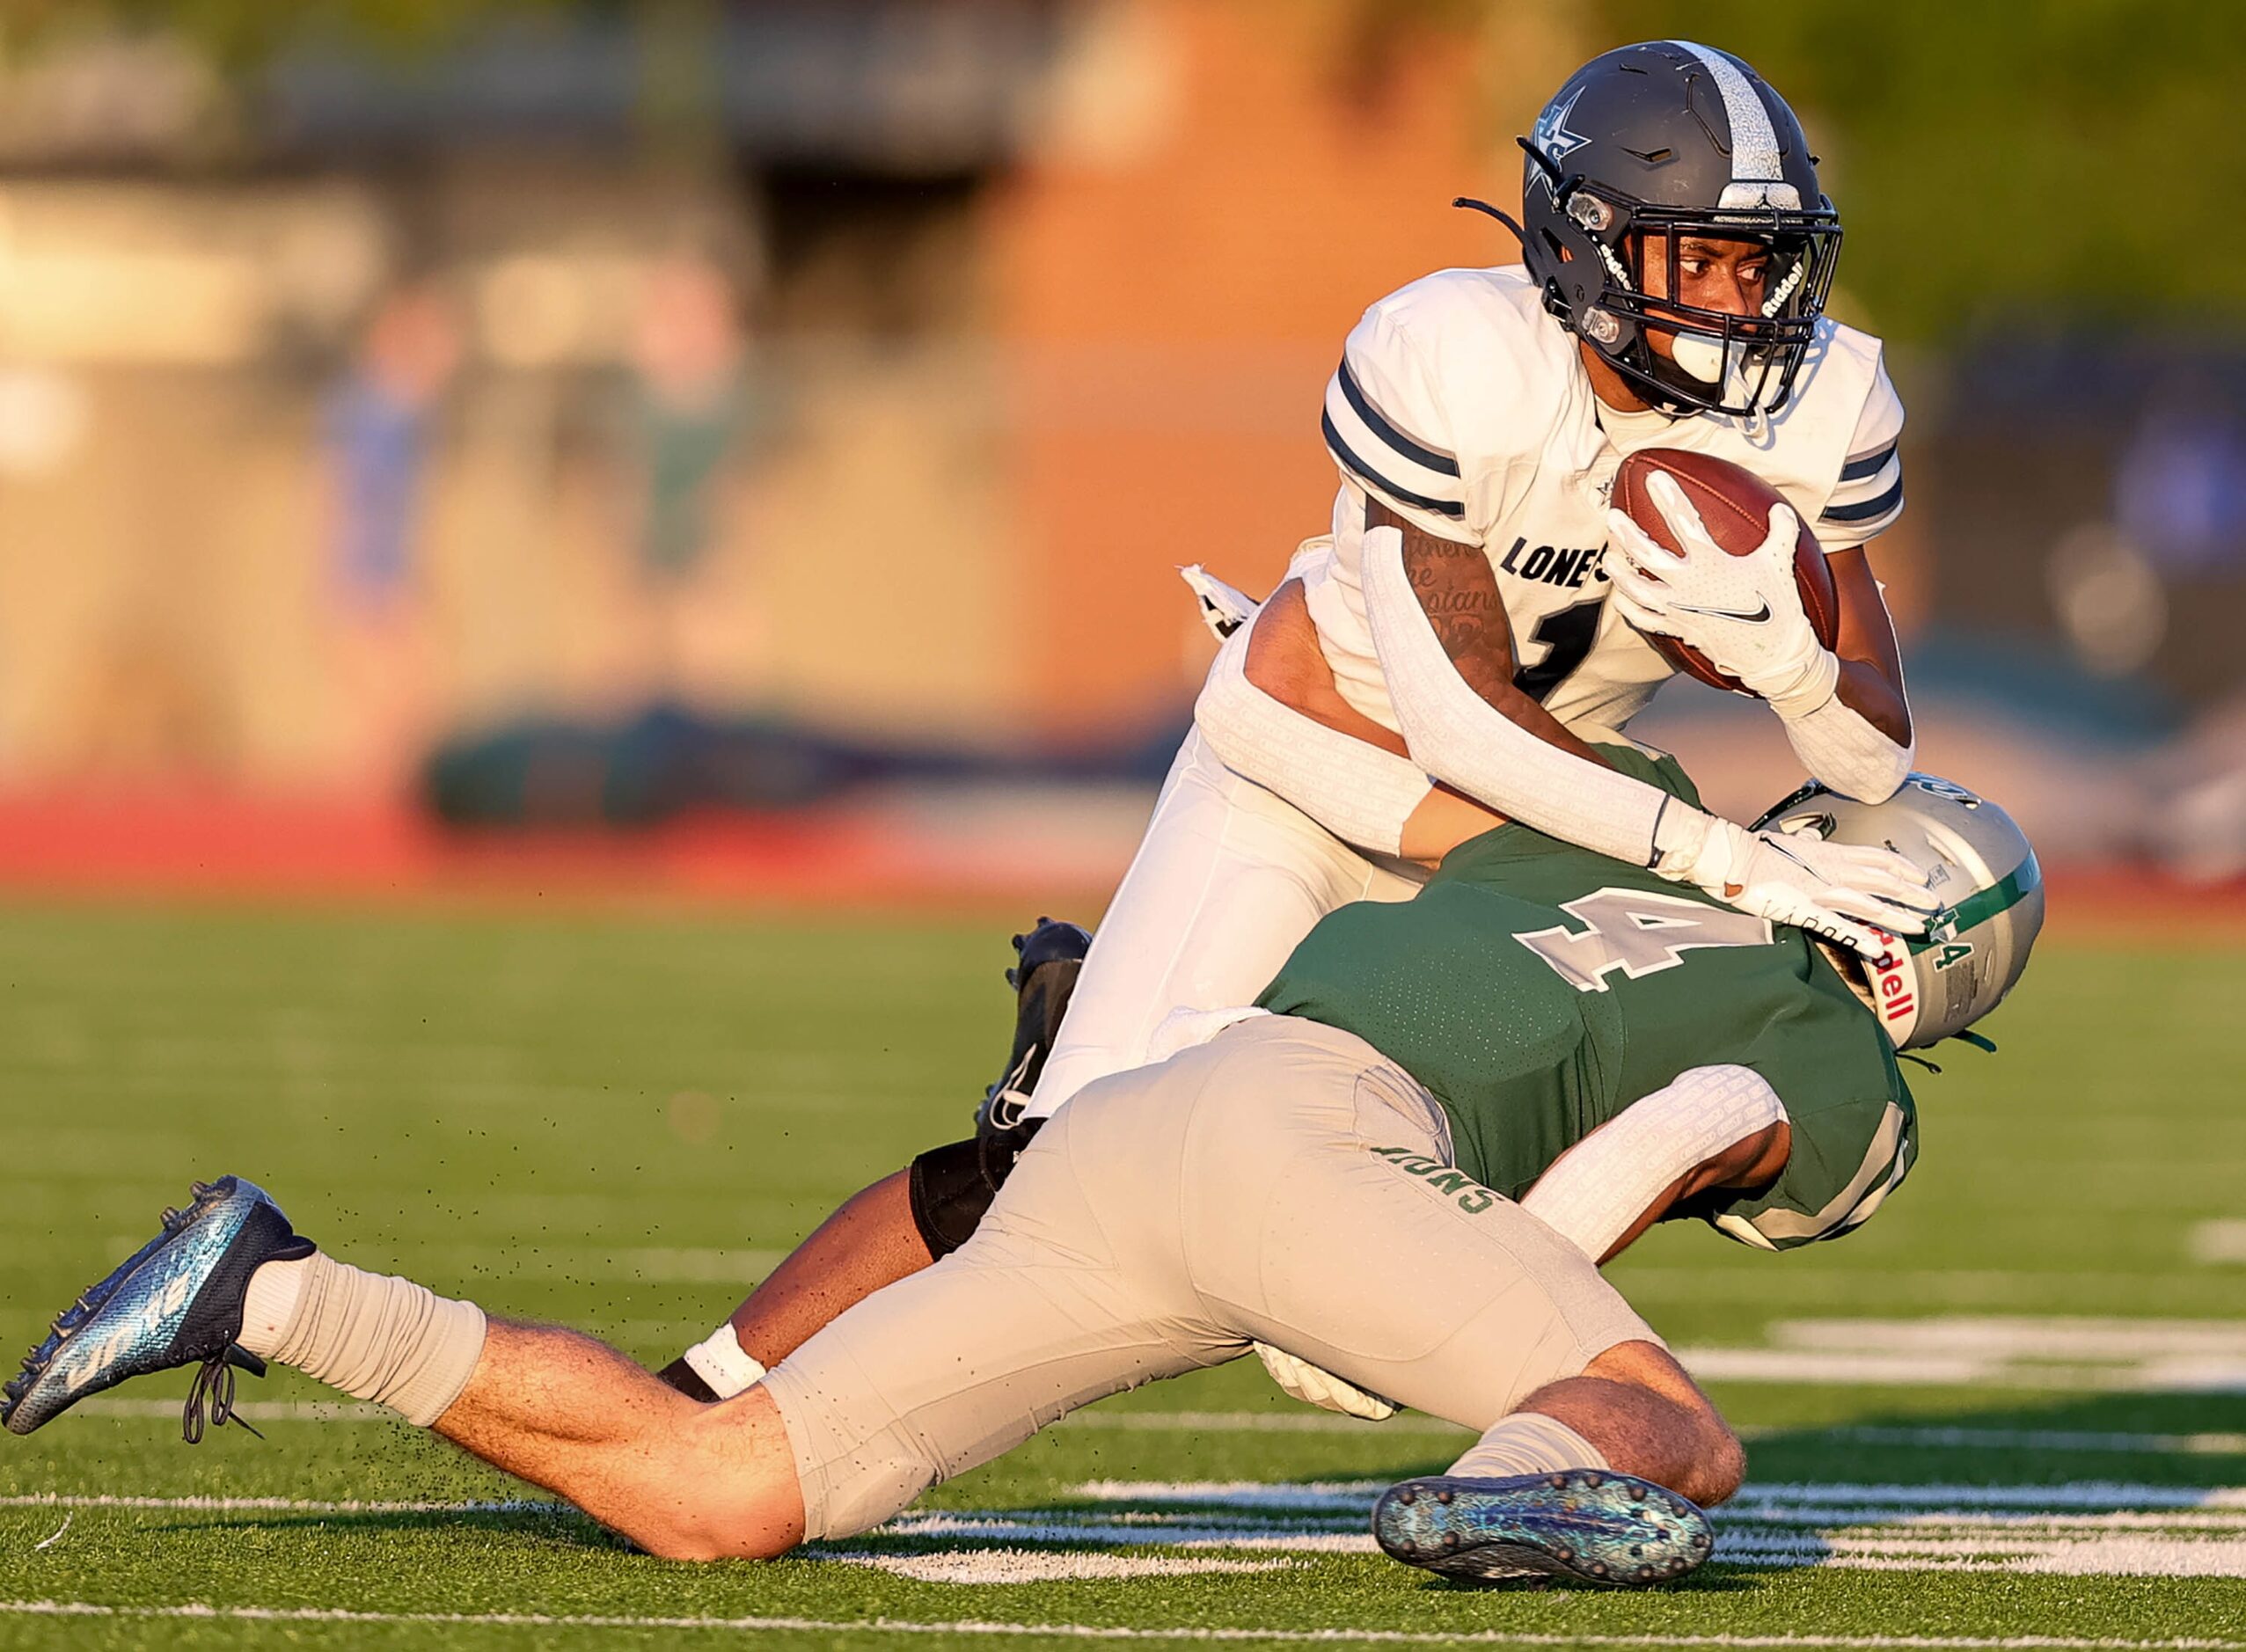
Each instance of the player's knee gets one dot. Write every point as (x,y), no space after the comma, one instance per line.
(726,1490)
(693,1539)
(1682,1438)
(717,1524)
(1723,1468)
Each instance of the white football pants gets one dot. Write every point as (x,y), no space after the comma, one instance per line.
(1227,882)
(1284,1183)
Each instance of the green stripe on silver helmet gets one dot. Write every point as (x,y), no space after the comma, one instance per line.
(1979,862)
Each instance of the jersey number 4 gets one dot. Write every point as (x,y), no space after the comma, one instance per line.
(1638,933)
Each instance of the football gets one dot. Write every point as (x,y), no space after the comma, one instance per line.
(1735,504)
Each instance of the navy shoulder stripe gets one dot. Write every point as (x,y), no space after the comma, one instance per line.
(1869,464)
(1373,479)
(1418,453)
(1870,509)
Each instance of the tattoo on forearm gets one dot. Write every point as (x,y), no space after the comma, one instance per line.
(1455,586)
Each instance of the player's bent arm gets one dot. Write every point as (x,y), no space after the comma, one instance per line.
(1833,890)
(1454,587)
(1710,1128)
(1859,741)
(1271,711)
(1357,788)
(1466,737)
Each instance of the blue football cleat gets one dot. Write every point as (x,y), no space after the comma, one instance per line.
(1587,1526)
(176,1301)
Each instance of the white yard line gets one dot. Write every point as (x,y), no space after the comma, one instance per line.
(2075,1495)
(1115,1631)
(1296,1421)
(2039,1351)
(1291,1421)
(986,1567)
(1776,1495)
(2219,1242)
(2087,1529)
(1310,1421)
(2020,1336)
(1835,1368)
(268,1505)
(2027,1440)
(257,1411)
(479,1265)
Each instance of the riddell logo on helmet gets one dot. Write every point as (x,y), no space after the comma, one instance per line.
(1892,989)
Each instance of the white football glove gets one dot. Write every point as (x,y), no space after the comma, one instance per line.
(1307,1383)
(1744,613)
(1847,893)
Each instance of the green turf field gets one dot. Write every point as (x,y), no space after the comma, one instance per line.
(1972,1422)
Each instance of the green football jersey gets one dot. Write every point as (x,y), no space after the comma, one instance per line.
(1537,989)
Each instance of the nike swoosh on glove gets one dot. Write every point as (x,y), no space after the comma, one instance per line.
(1313,1386)
(1744,613)
(1847,893)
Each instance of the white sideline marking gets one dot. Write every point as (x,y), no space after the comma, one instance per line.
(288,1505)
(2098,1494)
(1237,1494)
(1045,1566)
(2087,1529)
(2027,1440)
(1208,1530)
(1302,1420)
(1814,1368)
(479,1265)
(2107,1494)
(2219,1242)
(1311,1422)
(2018,1351)
(2102,1529)
(259,1411)
(1118,1631)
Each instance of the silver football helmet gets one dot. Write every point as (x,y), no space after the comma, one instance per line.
(1980,865)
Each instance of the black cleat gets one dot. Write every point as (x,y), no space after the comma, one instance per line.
(176,1301)
(1043,977)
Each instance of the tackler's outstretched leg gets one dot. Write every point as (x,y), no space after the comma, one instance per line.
(228,1284)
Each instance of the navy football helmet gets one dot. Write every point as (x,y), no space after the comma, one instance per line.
(1643,147)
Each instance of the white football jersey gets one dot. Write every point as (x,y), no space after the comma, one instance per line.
(1466,409)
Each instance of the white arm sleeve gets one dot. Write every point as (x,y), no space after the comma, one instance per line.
(1599,1188)
(1357,792)
(1459,738)
(1837,745)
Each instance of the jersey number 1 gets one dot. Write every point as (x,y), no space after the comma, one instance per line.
(1639,932)
(1566,637)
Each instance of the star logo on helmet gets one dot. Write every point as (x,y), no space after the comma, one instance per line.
(1551,135)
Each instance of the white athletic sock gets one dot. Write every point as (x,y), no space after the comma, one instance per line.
(1527,1443)
(719,1361)
(374,1337)
(274,1290)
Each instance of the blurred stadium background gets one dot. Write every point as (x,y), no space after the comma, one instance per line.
(744,447)
(494,495)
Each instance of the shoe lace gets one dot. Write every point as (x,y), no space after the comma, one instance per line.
(211,1400)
